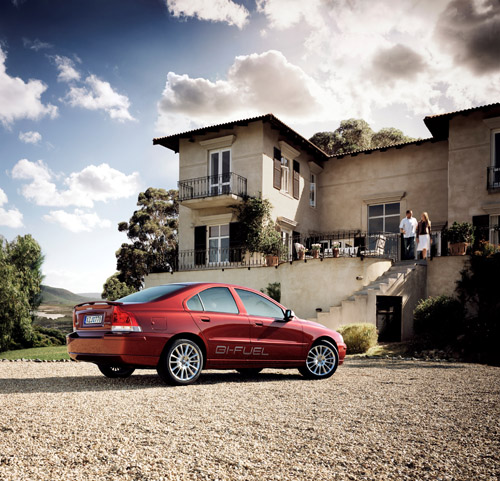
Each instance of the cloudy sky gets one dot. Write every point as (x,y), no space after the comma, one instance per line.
(86,84)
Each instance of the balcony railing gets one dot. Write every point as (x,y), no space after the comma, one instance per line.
(493,178)
(212,186)
(339,244)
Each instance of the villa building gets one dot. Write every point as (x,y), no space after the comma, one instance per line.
(353,201)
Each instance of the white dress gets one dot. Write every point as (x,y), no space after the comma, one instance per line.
(424,242)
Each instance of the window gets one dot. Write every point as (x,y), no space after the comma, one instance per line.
(220,171)
(218,243)
(194,304)
(257,305)
(312,190)
(494,229)
(285,174)
(152,293)
(383,218)
(495,148)
(218,299)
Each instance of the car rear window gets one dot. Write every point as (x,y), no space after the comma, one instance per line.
(218,299)
(152,293)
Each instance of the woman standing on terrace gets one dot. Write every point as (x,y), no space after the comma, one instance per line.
(424,234)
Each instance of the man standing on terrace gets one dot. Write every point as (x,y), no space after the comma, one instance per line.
(408,228)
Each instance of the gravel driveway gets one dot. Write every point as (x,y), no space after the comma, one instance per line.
(373,420)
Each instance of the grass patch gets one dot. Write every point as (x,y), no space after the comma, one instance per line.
(52,353)
(388,349)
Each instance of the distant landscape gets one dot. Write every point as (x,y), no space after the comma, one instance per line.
(56,309)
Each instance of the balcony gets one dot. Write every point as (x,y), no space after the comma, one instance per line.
(212,191)
(352,244)
(493,179)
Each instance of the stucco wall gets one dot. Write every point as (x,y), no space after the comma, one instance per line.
(415,176)
(305,286)
(469,157)
(443,273)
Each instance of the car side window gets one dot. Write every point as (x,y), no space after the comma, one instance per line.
(218,299)
(194,304)
(257,305)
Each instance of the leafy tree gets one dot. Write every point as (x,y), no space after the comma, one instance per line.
(389,136)
(153,232)
(356,134)
(352,135)
(324,140)
(254,215)
(20,288)
(115,289)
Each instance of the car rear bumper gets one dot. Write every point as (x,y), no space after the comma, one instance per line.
(131,348)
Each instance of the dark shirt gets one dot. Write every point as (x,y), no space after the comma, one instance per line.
(423,227)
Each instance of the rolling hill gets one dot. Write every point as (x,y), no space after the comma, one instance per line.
(55,295)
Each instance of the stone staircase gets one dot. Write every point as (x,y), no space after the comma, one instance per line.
(362,305)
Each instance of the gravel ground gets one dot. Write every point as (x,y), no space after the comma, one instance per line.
(373,420)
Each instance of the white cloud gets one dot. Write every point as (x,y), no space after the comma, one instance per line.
(99,95)
(66,67)
(256,84)
(77,221)
(36,44)
(30,137)
(213,10)
(9,218)
(21,100)
(423,56)
(82,189)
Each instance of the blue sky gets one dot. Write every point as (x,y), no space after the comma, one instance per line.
(85,85)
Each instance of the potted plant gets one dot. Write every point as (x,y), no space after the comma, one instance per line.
(315,248)
(335,249)
(460,236)
(301,250)
(270,244)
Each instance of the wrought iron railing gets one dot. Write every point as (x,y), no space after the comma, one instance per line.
(338,244)
(493,178)
(212,186)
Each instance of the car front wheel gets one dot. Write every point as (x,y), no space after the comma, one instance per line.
(182,364)
(116,371)
(321,362)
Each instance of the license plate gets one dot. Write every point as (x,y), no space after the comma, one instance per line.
(93,320)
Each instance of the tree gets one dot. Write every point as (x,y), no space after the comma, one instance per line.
(153,232)
(115,289)
(356,134)
(389,136)
(20,289)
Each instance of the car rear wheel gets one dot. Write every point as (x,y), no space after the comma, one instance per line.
(249,371)
(182,364)
(321,362)
(116,371)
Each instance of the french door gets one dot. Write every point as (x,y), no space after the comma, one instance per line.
(220,172)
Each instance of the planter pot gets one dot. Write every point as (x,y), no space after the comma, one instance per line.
(272,261)
(458,249)
(315,254)
(300,255)
(335,252)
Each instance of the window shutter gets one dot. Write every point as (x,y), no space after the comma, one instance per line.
(235,242)
(296,179)
(200,244)
(277,174)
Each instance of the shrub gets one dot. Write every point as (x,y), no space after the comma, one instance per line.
(359,337)
(273,290)
(439,321)
(45,336)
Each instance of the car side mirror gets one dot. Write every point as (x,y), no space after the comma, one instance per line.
(289,314)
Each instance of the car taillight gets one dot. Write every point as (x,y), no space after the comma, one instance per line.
(124,321)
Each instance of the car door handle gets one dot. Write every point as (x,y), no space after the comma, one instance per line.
(259,323)
(205,319)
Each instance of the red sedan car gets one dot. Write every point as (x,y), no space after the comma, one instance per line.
(182,328)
